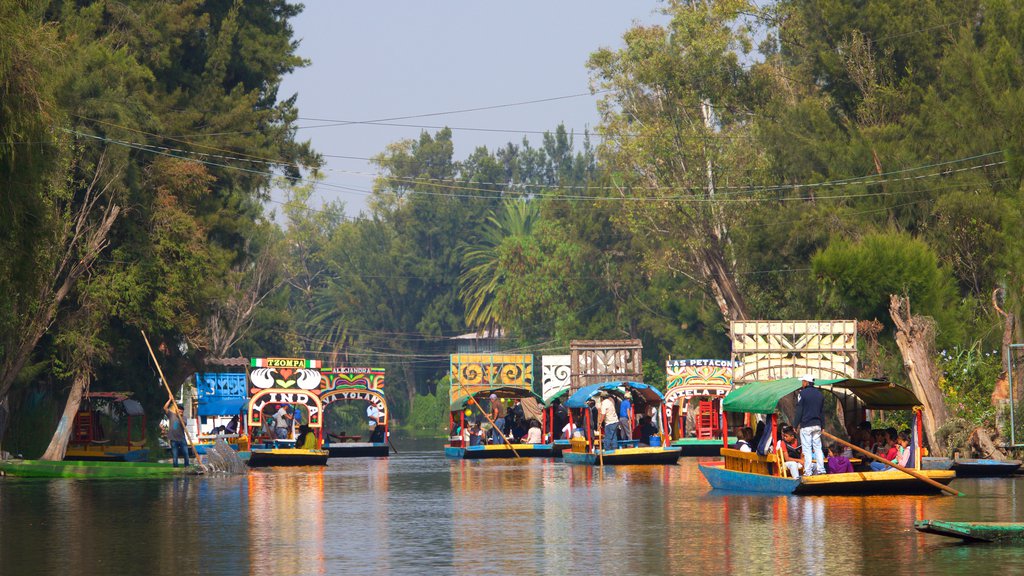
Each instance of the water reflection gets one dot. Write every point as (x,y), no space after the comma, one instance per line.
(419,513)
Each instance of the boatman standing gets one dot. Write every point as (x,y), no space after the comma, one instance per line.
(808,416)
(607,415)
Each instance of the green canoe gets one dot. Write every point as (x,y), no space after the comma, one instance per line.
(95,469)
(974,531)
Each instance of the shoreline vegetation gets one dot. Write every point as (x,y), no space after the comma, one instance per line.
(777,160)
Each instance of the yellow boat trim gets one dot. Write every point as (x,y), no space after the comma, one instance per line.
(505,447)
(630,451)
(291,452)
(937,475)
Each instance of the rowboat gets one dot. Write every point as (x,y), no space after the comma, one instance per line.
(92,469)
(498,451)
(1006,532)
(754,472)
(590,450)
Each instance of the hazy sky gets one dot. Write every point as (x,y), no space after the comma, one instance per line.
(388,59)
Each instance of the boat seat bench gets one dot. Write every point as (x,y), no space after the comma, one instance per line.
(748,462)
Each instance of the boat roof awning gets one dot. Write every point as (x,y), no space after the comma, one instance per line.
(222,406)
(579,399)
(763,397)
(461,402)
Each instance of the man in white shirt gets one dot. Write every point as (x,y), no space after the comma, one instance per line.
(609,416)
(373,414)
(282,419)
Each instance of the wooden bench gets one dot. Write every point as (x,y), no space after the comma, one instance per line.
(748,462)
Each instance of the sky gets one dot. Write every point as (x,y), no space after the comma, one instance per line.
(391,59)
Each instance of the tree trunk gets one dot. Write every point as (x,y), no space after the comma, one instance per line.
(722,281)
(915,337)
(59,443)
(982,439)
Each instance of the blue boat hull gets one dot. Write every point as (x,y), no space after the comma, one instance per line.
(733,481)
(985,468)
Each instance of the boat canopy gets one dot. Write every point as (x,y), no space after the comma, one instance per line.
(222,407)
(579,400)
(561,394)
(461,402)
(763,397)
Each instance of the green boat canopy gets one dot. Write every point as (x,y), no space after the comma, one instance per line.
(763,397)
(503,392)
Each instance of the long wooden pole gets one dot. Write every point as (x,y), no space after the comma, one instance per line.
(488,416)
(913,473)
(174,404)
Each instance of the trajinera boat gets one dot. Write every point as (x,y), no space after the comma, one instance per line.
(92,440)
(973,467)
(754,472)
(284,382)
(462,443)
(359,386)
(699,384)
(646,449)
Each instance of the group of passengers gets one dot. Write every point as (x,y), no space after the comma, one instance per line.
(804,456)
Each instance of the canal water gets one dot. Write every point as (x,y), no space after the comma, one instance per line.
(418,513)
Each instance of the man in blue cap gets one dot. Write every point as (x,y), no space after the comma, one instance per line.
(808,417)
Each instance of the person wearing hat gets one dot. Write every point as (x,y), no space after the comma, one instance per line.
(498,416)
(809,403)
(607,415)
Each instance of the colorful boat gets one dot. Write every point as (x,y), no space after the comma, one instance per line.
(220,404)
(90,441)
(1004,532)
(589,451)
(474,378)
(753,472)
(90,469)
(276,382)
(360,385)
(704,382)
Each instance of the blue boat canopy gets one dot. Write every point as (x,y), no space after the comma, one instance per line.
(649,393)
(763,397)
(221,407)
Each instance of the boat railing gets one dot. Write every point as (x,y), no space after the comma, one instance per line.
(748,462)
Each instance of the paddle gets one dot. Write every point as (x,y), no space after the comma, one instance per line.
(917,475)
(488,416)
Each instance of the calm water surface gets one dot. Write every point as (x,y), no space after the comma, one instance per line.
(418,513)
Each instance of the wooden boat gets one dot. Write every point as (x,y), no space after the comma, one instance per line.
(90,442)
(936,463)
(984,468)
(752,472)
(90,469)
(457,447)
(589,450)
(360,385)
(271,456)
(1004,532)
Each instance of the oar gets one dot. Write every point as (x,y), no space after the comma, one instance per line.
(392,445)
(488,416)
(917,475)
(181,419)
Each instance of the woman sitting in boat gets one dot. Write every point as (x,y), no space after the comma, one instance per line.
(789,447)
(306,440)
(745,441)
(534,434)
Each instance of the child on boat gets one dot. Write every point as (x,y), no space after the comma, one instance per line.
(789,448)
(837,462)
(898,454)
(745,441)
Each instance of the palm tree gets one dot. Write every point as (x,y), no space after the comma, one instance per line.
(487,264)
